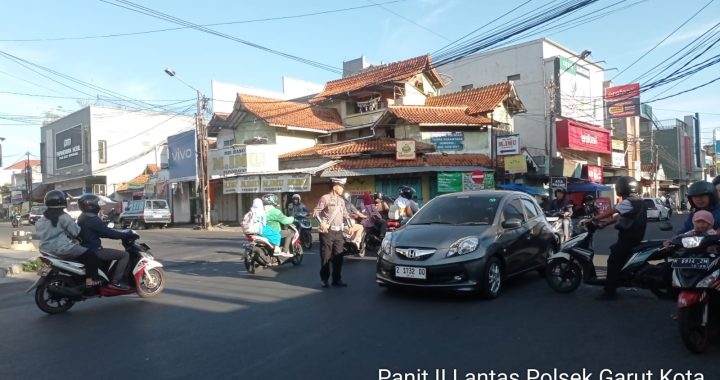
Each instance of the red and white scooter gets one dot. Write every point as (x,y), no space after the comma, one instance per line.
(62,282)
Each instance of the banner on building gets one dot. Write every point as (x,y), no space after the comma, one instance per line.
(182,157)
(16,197)
(578,100)
(405,150)
(470,184)
(69,147)
(516,164)
(558,183)
(285,183)
(594,173)
(240,159)
(449,182)
(448,141)
(576,135)
(508,145)
(618,159)
(618,145)
(623,101)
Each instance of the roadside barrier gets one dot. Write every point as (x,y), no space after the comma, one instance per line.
(22,241)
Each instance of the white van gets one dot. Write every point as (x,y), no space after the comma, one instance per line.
(142,213)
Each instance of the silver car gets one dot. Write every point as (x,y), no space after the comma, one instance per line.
(469,241)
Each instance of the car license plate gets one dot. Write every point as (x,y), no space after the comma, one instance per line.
(691,263)
(411,272)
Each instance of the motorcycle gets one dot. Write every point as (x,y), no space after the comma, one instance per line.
(305,228)
(556,219)
(696,274)
(15,221)
(62,282)
(259,252)
(573,264)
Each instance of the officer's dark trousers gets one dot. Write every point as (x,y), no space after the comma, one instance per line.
(620,253)
(331,249)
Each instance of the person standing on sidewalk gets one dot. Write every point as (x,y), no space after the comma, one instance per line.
(331,213)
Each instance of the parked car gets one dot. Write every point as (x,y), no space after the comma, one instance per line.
(36,212)
(656,209)
(145,212)
(469,241)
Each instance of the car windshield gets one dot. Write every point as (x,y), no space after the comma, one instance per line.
(649,203)
(37,210)
(458,210)
(159,205)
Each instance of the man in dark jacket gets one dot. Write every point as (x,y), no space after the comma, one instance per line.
(564,205)
(631,231)
(92,229)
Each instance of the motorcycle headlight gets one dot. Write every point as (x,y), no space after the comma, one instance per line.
(386,246)
(463,246)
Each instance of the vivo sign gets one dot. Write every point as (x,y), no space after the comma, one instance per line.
(182,162)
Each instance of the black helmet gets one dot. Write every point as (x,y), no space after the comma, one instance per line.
(626,185)
(406,192)
(89,203)
(270,199)
(378,196)
(55,199)
(703,188)
(588,199)
(560,190)
(716,181)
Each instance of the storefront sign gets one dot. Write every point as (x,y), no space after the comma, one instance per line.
(618,145)
(285,183)
(572,134)
(508,145)
(595,173)
(618,159)
(449,182)
(240,159)
(516,164)
(558,183)
(16,197)
(182,160)
(405,150)
(603,204)
(448,141)
(623,101)
(69,147)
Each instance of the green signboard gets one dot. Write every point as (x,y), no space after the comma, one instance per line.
(567,66)
(449,182)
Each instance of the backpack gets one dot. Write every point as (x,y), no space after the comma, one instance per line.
(250,225)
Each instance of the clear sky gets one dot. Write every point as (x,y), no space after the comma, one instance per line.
(132,65)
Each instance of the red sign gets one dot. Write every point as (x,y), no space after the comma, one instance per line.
(623,92)
(576,135)
(595,173)
(478,176)
(623,101)
(603,204)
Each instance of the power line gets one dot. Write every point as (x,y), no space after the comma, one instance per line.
(408,20)
(164,16)
(213,24)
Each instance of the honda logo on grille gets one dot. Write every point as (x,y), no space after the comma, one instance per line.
(413,253)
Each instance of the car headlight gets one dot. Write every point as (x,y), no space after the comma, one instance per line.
(463,246)
(386,246)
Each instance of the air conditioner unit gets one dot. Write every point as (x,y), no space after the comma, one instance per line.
(99,189)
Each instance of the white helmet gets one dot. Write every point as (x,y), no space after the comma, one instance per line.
(296,196)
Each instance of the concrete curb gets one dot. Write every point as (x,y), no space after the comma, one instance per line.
(11,261)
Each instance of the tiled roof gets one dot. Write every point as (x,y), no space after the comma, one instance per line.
(139,181)
(20,165)
(478,100)
(374,75)
(382,145)
(152,168)
(424,115)
(279,113)
(219,119)
(465,159)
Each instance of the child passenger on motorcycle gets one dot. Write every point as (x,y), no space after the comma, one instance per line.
(703,222)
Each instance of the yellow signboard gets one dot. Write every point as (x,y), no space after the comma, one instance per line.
(618,144)
(516,164)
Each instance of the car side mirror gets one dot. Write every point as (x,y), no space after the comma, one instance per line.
(512,223)
(665,226)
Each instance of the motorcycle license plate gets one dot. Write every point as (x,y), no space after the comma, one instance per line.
(411,272)
(691,263)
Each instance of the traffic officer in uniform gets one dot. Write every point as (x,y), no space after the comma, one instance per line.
(331,213)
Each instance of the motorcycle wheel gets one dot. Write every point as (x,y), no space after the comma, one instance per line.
(158,283)
(563,276)
(250,262)
(50,303)
(307,239)
(298,252)
(695,336)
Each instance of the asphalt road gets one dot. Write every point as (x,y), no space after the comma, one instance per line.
(216,321)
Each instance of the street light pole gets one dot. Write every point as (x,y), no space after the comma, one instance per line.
(202,144)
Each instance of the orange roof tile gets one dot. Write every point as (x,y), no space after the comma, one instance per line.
(20,165)
(374,75)
(424,115)
(465,159)
(478,100)
(279,113)
(382,145)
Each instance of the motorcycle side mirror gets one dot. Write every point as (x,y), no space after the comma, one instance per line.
(665,226)
(512,223)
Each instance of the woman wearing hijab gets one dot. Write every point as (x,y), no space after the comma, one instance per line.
(260,217)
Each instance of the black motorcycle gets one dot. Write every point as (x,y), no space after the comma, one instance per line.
(305,227)
(574,264)
(15,221)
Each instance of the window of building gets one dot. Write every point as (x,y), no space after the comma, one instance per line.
(513,77)
(102,151)
(466,87)
(228,143)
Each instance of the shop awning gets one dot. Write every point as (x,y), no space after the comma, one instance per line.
(586,187)
(401,170)
(523,188)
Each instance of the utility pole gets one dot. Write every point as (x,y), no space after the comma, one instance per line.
(28,179)
(203,176)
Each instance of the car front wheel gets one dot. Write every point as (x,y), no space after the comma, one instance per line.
(492,279)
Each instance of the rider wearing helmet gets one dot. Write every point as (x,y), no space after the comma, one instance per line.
(381,205)
(92,229)
(631,231)
(564,205)
(56,228)
(296,206)
(405,201)
(702,195)
(276,218)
